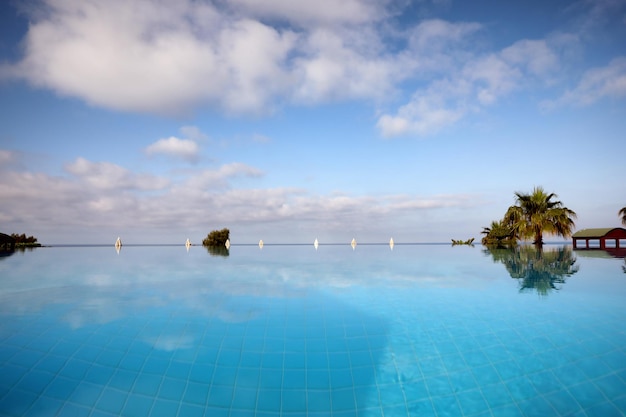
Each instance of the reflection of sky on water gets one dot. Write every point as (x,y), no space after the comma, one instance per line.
(102,285)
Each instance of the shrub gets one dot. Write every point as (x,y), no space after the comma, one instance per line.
(216,238)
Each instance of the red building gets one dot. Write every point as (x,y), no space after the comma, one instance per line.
(606,238)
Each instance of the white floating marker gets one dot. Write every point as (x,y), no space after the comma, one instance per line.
(227,244)
(187,243)
(391,243)
(118,244)
(261,243)
(316,244)
(353,243)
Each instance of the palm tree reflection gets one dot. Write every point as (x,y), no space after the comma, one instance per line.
(537,269)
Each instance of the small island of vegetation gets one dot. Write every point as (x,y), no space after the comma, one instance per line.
(22,241)
(216,238)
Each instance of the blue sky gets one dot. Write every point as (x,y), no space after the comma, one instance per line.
(289,121)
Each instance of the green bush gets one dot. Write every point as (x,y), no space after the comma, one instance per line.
(22,240)
(216,238)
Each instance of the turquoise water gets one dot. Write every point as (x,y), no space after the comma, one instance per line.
(420,330)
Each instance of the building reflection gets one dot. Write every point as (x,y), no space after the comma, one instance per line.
(537,269)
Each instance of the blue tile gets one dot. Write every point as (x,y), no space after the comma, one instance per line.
(415,390)
(123,380)
(224,376)
(137,406)
(35,381)
(75,369)
(179,370)
(611,386)
(340,378)
(472,402)
(446,406)
(343,399)
(155,365)
(164,408)
(422,408)
(131,362)
(111,400)
(294,400)
(272,360)
(110,358)
(250,359)
(52,364)
(244,398)
(16,402)
(196,393)
(536,407)
(521,389)
(511,410)
(338,360)
(569,374)
(269,400)
(86,394)
(74,410)
(395,410)
(563,402)
(317,379)
(318,401)
(432,367)
(604,410)
(271,378)
(587,394)
(45,407)
(594,368)
(508,369)
(486,375)
(98,374)
(496,395)
(391,395)
(462,380)
(220,396)
(190,410)
(545,382)
(147,385)
(61,388)
(172,389)
(438,385)
(294,379)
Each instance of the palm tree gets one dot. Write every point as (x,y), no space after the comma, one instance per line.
(499,233)
(622,212)
(538,213)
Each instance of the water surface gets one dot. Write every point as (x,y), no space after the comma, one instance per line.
(420,330)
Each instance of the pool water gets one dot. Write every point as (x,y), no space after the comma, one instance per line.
(420,330)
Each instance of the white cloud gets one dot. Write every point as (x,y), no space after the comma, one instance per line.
(109,176)
(193,133)
(469,85)
(6,158)
(104,196)
(173,146)
(245,56)
(428,111)
(158,57)
(596,84)
(325,12)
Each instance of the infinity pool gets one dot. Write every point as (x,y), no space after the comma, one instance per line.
(420,330)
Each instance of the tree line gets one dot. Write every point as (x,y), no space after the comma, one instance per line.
(533,215)
(23,240)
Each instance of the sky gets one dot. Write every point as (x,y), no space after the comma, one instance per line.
(290,121)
